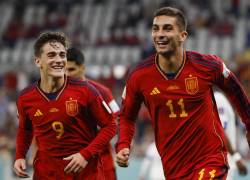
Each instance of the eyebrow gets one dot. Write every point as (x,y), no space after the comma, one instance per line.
(54,52)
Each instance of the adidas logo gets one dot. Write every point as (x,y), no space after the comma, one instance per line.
(155,91)
(38,113)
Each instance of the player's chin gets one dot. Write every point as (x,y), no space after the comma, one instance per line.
(164,52)
(57,74)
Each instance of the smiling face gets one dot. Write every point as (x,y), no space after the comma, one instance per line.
(52,60)
(166,35)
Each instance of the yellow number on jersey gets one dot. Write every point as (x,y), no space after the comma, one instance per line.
(58,127)
(171,108)
(201,173)
(212,174)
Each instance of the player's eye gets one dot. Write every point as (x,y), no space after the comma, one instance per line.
(155,28)
(168,27)
(51,54)
(62,55)
(71,69)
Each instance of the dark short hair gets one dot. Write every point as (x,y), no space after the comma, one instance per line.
(49,37)
(75,55)
(173,12)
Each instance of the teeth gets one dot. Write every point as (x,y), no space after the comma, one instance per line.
(161,42)
(57,67)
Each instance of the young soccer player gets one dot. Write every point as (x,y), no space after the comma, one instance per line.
(62,115)
(176,87)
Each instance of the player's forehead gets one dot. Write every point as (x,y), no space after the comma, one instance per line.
(164,20)
(53,47)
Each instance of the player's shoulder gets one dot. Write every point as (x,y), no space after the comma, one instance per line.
(27,90)
(82,85)
(142,66)
(75,82)
(99,86)
(205,60)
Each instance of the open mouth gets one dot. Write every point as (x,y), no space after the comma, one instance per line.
(58,67)
(162,43)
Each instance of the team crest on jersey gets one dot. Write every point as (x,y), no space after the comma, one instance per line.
(71,107)
(192,86)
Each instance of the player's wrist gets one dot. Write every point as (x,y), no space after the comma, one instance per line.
(236,156)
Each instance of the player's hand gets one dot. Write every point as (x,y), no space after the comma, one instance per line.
(122,157)
(20,167)
(241,167)
(248,138)
(77,163)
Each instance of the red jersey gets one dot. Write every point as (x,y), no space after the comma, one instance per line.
(66,125)
(107,96)
(188,131)
(106,156)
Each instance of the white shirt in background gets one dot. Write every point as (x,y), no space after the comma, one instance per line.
(228,120)
(151,164)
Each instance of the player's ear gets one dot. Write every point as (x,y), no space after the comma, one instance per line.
(37,62)
(183,36)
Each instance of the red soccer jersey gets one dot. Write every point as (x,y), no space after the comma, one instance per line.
(66,125)
(107,96)
(188,131)
(106,156)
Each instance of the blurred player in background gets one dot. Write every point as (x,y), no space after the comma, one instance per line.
(176,86)
(151,165)
(76,69)
(62,115)
(228,120)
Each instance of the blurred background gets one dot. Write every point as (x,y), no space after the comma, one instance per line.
(113,35)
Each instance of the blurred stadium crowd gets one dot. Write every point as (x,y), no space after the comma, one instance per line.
(114,35)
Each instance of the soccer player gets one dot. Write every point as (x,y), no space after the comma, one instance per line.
(228,120)
(62,115)
(176,87)
(76,69)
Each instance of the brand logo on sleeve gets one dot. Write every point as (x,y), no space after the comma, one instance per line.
(192,86)
(71,107)
(155,91)
(38,113)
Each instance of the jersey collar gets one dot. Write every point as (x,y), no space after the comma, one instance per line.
(59,91)
(178,72)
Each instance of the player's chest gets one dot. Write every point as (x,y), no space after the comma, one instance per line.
(62,109)
(187,85)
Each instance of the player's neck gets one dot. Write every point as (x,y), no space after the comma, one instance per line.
(83,78)
(51,84)
(171,63)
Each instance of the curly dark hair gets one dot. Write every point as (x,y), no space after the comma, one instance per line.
(49,37)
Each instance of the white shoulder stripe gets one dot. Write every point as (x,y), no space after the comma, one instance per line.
(225,71)
(124,93)
(106,107)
